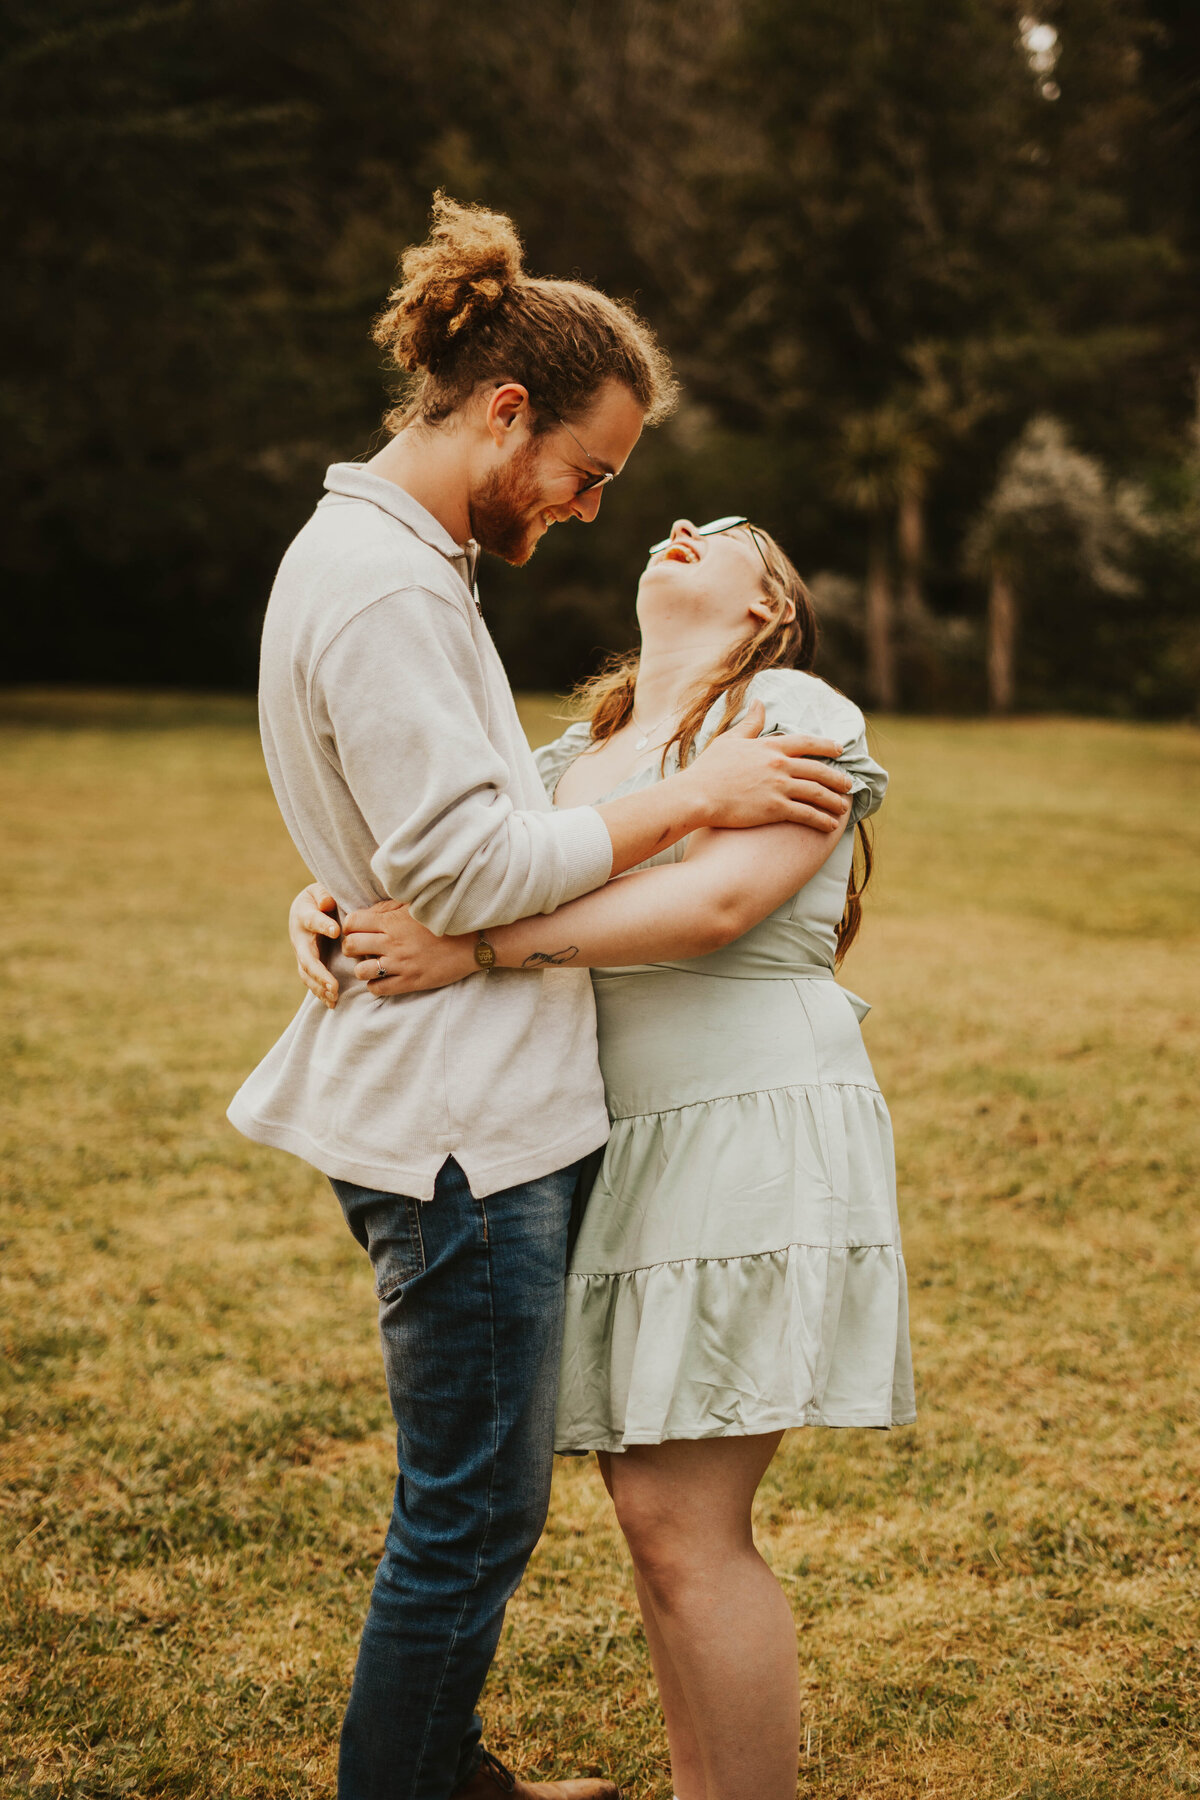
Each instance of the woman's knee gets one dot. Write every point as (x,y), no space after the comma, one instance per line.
(663,1549)
(679,1532)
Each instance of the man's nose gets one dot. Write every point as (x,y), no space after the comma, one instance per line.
(683,528)
(585,506)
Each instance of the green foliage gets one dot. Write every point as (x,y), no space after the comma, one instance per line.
(878,239)
(1050,503)
(1105,566)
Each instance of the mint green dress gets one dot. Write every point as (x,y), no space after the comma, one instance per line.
(739,1268)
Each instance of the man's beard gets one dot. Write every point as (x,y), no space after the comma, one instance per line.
(500,510)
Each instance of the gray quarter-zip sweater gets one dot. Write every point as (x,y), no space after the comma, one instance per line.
(401,769)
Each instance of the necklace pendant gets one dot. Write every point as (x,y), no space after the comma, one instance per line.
(641,743)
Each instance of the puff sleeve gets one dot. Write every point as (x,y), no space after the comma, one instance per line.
(798,702)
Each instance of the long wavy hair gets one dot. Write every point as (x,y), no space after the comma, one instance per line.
(786,640)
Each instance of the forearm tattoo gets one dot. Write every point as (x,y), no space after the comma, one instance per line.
(551,959)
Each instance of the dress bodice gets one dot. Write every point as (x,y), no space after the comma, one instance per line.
(798,939)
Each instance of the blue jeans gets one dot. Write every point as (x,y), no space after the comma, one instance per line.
(470,1314)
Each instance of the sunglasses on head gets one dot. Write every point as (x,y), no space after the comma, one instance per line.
(715,528)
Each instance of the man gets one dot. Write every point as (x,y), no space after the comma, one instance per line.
(453,1124)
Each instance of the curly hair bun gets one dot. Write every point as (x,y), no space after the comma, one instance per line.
(471,260)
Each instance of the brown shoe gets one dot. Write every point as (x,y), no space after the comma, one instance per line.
(491,1778)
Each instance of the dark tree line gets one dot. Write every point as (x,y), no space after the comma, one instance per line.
(927,267)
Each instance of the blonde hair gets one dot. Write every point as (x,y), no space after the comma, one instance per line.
(787,640)
(464,312)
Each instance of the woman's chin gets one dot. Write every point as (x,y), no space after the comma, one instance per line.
(662,607)
(661,576)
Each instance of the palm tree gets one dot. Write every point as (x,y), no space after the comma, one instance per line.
(882,471)
(910,541)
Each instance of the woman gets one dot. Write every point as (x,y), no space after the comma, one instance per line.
(738,1270)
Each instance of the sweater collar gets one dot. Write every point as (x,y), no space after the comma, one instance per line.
(358,483)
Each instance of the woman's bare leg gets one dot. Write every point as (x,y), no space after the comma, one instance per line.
(687,1762)
(687,1770)
(725,1637)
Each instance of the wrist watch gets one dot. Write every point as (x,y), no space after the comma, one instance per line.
(485,953)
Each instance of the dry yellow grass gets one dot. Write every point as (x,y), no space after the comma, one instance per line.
(1000,1602)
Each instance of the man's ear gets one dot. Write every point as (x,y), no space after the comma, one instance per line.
(507,409)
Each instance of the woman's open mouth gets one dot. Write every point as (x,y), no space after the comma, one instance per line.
(681,551)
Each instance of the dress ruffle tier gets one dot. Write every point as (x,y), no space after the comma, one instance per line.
(719,1345)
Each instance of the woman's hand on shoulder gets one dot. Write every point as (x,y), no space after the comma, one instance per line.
(312,923)
(396,955)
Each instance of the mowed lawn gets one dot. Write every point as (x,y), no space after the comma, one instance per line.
(1000,1602)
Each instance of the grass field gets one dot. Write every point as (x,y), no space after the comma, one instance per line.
(1000,1603)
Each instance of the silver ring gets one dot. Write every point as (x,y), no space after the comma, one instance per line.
(380,971)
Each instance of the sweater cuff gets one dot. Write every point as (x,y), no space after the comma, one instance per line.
(586,851)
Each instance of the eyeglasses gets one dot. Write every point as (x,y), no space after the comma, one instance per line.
(594,481)
(715,528)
